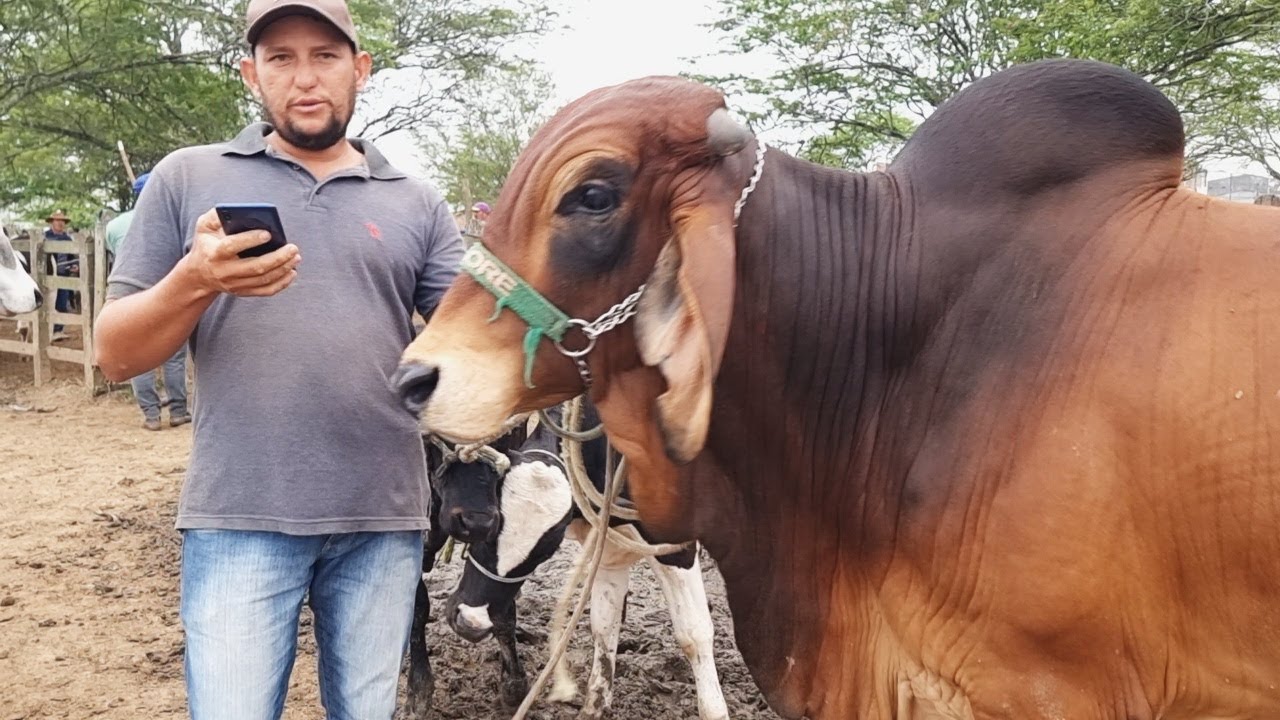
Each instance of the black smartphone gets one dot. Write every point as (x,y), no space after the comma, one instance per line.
(240,217)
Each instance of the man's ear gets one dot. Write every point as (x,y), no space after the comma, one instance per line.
(364,69)
(249,73)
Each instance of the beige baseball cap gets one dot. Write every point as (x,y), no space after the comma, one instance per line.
(262,13)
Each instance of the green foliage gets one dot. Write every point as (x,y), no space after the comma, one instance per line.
(861,73)
(429,53)
(472,159)
(80,75)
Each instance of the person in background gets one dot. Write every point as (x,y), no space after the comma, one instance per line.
(64,265)
(119,225)
(174,370)
(479,216)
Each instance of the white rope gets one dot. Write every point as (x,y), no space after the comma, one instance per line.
(471,558)
(564,434)
(626,538)
(561,639)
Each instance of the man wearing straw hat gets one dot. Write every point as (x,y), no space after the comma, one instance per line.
(64,265)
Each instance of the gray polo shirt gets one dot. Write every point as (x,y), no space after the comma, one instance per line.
(297,429)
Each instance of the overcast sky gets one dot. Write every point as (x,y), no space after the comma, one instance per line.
(611,41)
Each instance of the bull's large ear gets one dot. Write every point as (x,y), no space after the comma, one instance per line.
(682,323)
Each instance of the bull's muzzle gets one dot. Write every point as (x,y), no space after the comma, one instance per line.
(472,526)
(415,382)
(472,624)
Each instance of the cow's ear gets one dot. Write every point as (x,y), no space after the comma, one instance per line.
(683,319)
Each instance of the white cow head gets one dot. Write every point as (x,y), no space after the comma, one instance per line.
(18,292)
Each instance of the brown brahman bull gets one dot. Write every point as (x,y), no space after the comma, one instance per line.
(992,434)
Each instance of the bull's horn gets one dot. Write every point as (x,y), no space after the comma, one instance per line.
(725,136)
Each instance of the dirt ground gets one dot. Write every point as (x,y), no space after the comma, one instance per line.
(89,583)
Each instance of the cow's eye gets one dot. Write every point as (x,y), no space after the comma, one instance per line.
(592,198)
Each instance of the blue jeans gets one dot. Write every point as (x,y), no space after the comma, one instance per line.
(62,304)
(64,297)
(175,383)
(242,593)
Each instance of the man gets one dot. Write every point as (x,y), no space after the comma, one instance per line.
(64,265)
(307,477)
(119,225)
(175,368)
(479,216)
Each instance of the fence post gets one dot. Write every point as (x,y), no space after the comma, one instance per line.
(40,328)
(88,297)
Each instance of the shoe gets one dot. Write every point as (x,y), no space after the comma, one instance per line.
(151,423)
(59,336)
(176,420)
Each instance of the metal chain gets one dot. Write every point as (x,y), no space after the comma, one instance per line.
(615,315)
(584,372)
(751,186)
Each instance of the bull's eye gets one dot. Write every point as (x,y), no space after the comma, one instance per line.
(591,198)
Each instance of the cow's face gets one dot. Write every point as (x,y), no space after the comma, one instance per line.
(536,504)
(18,292)
(630,185)
(468,501)
(466,493)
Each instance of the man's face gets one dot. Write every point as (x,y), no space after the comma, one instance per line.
(58,225)
(306,75)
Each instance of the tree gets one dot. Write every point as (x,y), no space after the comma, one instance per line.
(858,75)
(472,158)
(429,54)
(81,74)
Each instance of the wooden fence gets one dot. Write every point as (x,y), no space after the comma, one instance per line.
(90,252)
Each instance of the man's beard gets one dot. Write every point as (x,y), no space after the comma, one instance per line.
(332,133)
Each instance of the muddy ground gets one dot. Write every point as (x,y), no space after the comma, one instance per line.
(89,583)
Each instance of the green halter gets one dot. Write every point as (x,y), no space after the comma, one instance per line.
(543,318)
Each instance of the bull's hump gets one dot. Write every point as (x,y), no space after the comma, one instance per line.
(1039,125)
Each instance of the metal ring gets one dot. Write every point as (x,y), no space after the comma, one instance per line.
(591,341)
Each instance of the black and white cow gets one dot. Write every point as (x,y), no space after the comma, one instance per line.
(537,511)
(464,505)
(18,291)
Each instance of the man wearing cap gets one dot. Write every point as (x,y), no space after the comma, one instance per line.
(307,478)
(479,216)
(119,225)
(64,265)
(175,368)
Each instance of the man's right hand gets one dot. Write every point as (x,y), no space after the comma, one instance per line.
(214,259)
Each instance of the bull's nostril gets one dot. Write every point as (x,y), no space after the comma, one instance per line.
(458,516)
(415,382)
(39,298)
